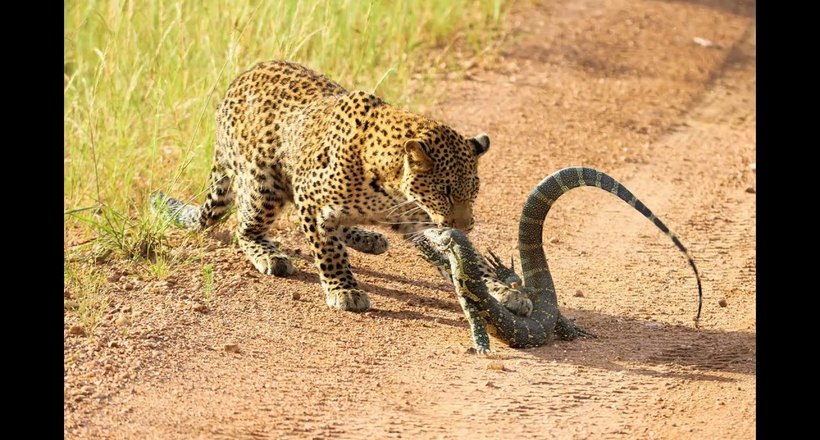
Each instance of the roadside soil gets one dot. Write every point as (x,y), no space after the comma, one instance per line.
(619,85)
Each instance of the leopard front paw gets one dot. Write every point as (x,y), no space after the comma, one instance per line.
(374,245)
(367,242)
(351,300)
(269,264)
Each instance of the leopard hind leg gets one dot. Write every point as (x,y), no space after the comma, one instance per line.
(260,199)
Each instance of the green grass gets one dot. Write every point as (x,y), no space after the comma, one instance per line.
(208,281)
(142,79)
(159,267)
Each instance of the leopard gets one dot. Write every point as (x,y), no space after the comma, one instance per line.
(289,135)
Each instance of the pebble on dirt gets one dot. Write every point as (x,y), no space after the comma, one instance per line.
(295,296)
(751,190)
(579,294)
(122,320)
(76,330)
(722,303)
(232,348)
(496,366)
(703,42)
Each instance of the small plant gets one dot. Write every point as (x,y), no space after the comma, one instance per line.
(159,267)
(208,281)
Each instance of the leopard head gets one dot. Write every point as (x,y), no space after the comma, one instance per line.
(440,174)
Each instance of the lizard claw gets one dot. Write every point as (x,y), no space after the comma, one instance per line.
(566,330)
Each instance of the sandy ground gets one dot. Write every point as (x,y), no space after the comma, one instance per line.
(619,85)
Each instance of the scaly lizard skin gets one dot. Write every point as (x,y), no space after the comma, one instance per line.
(484,313)
(449,247)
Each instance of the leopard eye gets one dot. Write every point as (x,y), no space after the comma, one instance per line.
(447,190)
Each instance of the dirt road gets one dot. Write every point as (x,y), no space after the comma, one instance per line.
(619,85)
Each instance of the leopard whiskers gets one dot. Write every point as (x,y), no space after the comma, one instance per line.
(428,223)
(412,210)
(391,210)
(417,235)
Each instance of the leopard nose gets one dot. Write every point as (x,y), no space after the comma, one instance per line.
(465,225)
(461,217)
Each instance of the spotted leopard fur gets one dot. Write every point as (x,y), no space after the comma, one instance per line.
(287,134)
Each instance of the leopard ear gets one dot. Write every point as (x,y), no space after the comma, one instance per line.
(481,144)
(416,157)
